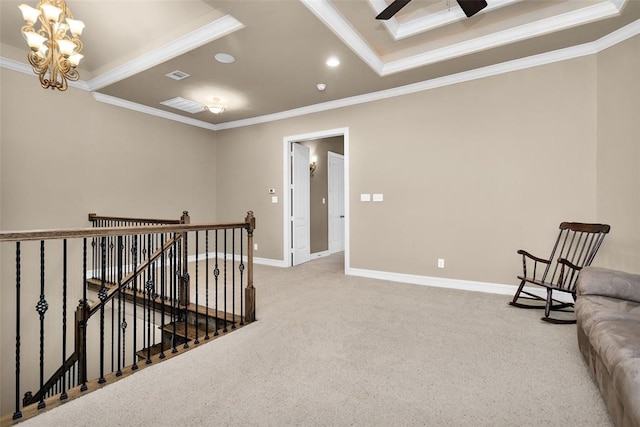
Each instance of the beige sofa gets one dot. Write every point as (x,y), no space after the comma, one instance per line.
(608,326)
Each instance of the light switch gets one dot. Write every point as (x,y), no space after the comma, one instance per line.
(365,197)
(274,199)
(377,197)
(323,201)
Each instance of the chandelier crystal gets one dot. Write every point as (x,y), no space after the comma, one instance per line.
(55,44)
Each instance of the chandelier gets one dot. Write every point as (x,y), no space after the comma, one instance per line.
(55,45)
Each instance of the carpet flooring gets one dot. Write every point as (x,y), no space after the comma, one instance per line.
(335,350)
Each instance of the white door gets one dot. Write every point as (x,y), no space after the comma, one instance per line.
(336,202)
(301,205)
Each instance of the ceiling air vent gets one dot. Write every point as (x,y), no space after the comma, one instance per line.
(177,75)
(183,105)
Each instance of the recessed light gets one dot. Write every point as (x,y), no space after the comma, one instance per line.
(224,58)
(333,62)
(321,86)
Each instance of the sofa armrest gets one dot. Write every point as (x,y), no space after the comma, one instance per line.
(609,283)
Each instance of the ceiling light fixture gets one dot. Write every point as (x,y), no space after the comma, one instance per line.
(217,107)
(333,62)
(55,45)
(224,58)
(321,86)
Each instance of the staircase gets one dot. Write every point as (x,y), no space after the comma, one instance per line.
(147,296)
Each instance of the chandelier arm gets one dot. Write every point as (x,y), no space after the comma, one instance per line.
(52,66)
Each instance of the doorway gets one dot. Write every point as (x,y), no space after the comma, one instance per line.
(296,225)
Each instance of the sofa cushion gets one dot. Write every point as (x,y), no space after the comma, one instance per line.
(616,341)
(591,309)
(611,283)
(626,379)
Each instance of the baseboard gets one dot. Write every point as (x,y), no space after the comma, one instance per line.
(441,282)
(221,255)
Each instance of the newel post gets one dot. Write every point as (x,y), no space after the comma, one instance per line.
(184,278)
(250,291)
(81,317)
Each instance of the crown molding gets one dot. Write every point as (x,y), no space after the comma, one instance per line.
(205,34)
(399,31)
(118,102)
(618,36)
(586,49)
(341,28)
(327,14)
(23,68)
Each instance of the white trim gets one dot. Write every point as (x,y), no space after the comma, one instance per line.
(205,34)
(221,256)
(341,28)
(119,102)
(440,282)
(332,19)
(320,254)
(478,73)
(399,31)
(286,179)
(23,68)
(595,47)
(501,38)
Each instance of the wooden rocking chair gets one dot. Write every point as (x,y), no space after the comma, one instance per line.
(575,248)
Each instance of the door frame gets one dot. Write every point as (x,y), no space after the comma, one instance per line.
(286,190)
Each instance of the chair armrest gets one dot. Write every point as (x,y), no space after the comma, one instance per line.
(535,258)
(569,264)
(609,283)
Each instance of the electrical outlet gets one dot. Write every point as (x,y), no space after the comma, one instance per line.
(255,246)
(440,263)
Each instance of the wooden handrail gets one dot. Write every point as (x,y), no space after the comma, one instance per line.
(72,233)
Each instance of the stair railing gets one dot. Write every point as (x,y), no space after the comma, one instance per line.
(149,292)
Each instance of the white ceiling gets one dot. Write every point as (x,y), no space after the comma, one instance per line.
(281,47)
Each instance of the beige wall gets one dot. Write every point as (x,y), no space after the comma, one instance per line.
(618,166)
(470,173)
(63,155)
(95,157)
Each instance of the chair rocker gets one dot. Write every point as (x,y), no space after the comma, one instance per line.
(575,248)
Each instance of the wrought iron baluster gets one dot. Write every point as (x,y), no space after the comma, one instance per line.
(224,326)
(241,268)
(206,279)
(216,274)
(82,359)
(17,414)
(175,271)
(197,341)
(163,284)
(102,295)
(123,324)
(41,308)
(185,297)
(134,254)
(149,292)
(64,395)
(233,278)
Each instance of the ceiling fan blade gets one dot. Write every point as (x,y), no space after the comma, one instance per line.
(392,9)
(471,7)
